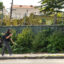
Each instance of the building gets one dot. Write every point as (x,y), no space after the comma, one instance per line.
(5,12)
(19,11)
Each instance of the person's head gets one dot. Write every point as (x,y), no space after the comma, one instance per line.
(9,31)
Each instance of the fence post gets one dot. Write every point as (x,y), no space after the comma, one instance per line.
(55,18)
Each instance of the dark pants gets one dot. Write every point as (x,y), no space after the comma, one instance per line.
(6,45)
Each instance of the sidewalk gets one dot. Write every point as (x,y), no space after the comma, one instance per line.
(33,56)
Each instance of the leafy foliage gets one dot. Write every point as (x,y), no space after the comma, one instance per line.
(24,41)
(14,36)
(1,5)
(41,41)
(50,6)
(48,41)
(56,42)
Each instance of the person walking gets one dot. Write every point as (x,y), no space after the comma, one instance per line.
(6,39)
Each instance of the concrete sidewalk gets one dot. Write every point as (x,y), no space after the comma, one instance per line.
(33,56)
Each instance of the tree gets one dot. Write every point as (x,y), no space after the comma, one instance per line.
(1,5)
(52,6)
(1,9)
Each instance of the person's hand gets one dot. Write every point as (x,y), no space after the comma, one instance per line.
(14,43)
(10,34)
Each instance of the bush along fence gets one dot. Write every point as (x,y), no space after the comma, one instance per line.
(44,41)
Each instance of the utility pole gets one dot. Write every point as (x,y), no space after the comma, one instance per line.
(2,17)
(25,17)
(11,10)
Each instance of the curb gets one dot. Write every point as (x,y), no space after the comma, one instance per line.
(43,57)
(32,56)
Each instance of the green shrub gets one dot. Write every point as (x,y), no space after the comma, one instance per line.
(41,41)
(24,41)
(14,36)
(56,42)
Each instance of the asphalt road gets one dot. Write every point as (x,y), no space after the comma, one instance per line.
(33,61)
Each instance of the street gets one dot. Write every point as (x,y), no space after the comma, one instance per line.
(32,61)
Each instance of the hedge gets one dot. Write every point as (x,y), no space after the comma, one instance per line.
(47,41)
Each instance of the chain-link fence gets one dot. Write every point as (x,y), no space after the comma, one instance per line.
(35,29)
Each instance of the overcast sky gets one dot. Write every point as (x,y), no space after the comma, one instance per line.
(7,3)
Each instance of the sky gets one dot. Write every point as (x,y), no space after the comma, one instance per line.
(7,3)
